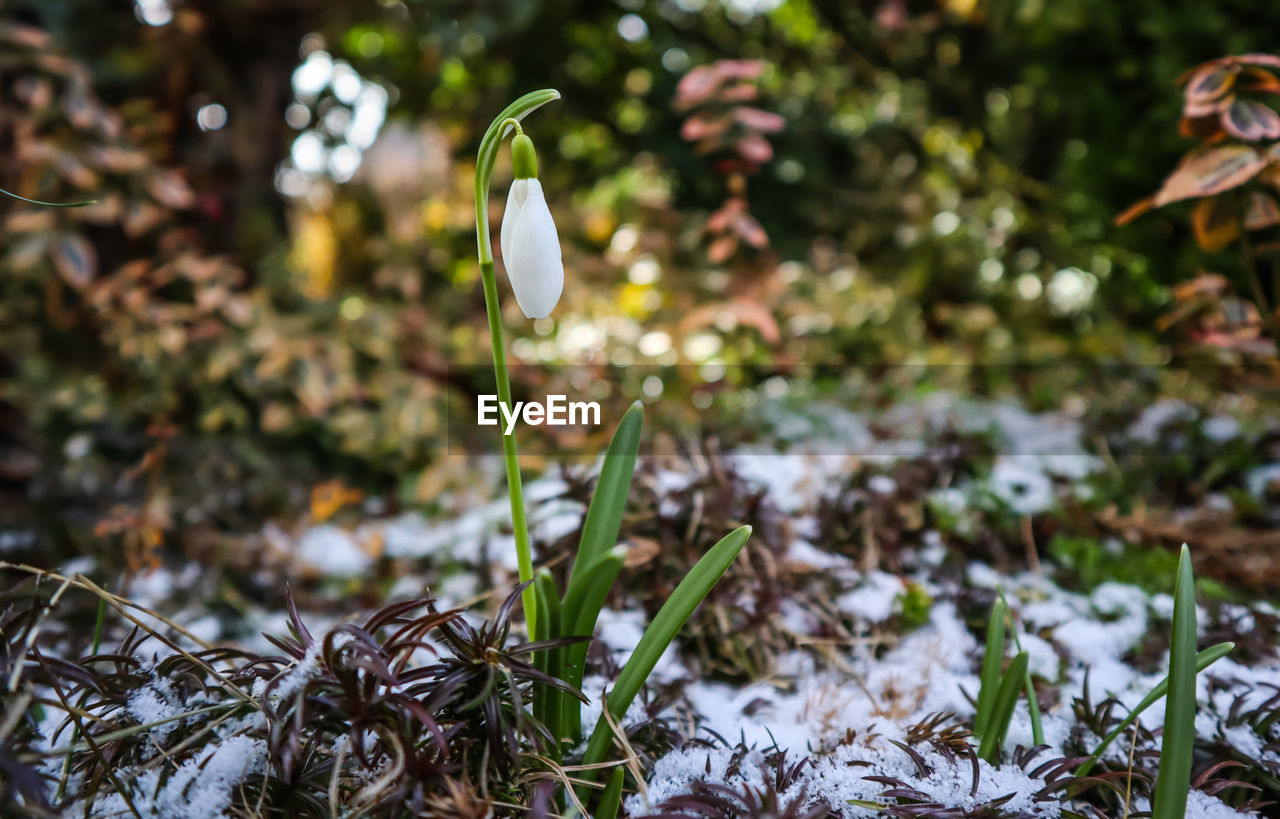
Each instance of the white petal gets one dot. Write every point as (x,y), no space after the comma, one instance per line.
(515,201)
(534,264)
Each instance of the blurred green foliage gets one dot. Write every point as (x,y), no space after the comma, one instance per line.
(942,193)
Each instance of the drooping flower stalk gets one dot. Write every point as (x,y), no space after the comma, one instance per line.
(48,204)
(506,121)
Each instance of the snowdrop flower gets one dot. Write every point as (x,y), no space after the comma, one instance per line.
(530,244)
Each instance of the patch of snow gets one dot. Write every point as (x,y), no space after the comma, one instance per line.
(1020,485)
(1260,479)
(1153,420)
(332,550)
(873,600)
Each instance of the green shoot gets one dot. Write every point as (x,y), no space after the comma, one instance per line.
(1033,701)
(1173,780)
(611,799)
(992,663)
(604,515)
(1002,710)
(665,626)
(1204,659)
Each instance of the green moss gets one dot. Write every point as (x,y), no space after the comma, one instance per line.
(1093,562)
(913,605)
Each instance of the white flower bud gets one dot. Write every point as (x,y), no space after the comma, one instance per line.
(531,249)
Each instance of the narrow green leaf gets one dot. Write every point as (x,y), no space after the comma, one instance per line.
(1033,702)
(1002,709)
(1173,780)
(664,628)
(583,603)
(611,799)
(604,515)
(547,707)
(1204,659)
(992,665)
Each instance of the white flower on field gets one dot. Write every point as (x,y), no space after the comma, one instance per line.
(530,244)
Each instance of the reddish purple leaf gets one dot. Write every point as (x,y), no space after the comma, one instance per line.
(764,121)
(750,230)
(743,92)
(74,259)
(1250,120)
(1210,170)
(171,190)
(697,86)
(1216,224)
(1260,59)
(1258,80)
(1263,212)
(1207,108)
(704,126)
(721,249)
(755,148)
(741,69)
(1209,83)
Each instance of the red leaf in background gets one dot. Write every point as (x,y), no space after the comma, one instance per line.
(1262,212)
(1207,128)
(1258,80)
(1215,223)
(725,215)
(1250,120)
(1208,108)
(703,126)
(755,148)
(1209,170)
(891,15)
(1209,83)
(750,230)
(753,314)
(741,69)
(171,190)
(1204,284)
(74,259)
(739,93)
(764,121)
(748,312)
(1135,210)
(697,86)
(140,217)
(1260,59)
(721,249)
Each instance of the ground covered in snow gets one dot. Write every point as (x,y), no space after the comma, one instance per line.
(831,672)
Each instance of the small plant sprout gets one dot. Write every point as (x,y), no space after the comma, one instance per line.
(998,688)
(1173,780)
(1179,730)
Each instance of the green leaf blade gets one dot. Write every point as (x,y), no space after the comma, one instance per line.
(1204,659)
(992,667)
(1002,709)
(664,628)
(1177,746)
(609,501)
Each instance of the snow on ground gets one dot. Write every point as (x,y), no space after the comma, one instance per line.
(845,713)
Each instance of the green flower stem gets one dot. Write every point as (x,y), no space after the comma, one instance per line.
(47,204)
(485,159)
